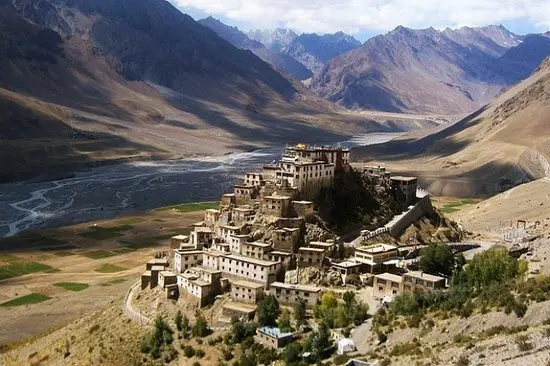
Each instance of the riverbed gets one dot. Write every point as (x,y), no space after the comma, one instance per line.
(111,191)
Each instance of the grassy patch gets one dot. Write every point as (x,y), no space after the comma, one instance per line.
(456,206)
(109,268)
(98,254)
(104,233)
(22,268)
(8,258)
(114,282)
(29,240)
(27,299)
(72,286)
(191,207)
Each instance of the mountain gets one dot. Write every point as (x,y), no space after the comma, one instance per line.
(314,51)
(275,40)
(428,71)
(240,40)
(498,147)
(86,83)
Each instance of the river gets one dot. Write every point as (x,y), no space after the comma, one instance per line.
(110,191)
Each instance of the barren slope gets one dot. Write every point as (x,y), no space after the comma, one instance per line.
(501,145)
(88,83)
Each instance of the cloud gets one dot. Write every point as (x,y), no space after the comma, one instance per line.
(354,16)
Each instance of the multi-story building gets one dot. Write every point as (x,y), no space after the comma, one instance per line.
(200,282)
(377,258)
(201,236)
(328,247)
(184,259)
(166,278)
(247,291)
(378,173)
(279,256)
(226,231)
(286,239)
(349,270)
(404,189)
(288,294)
(236,242)
(278,206)
(303,209)
(211,259)
(420,281)
(387,284)
(254,179)
(250,268)
(310,257)
(211,216)
(255,249)
(242,215)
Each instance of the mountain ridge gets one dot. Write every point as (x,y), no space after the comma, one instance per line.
(426,71)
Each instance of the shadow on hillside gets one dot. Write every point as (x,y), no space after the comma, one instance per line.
(436,144)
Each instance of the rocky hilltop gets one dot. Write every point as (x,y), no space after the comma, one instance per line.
(275,40)
(498,147)
(430,71)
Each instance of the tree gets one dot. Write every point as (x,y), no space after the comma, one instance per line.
(492,266)
(284,321)
(200,329)
(320,342)
(179,321)
(437,259)
(268,311)
(291,353)
(349,299)
(300,312)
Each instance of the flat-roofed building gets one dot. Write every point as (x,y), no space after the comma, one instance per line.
(420,281)
(329,247)
(244,194)
(177,241)
(200,282)
(228,199)
(303,209)
(277,206)
(349,270)
(145,279)
(184,259)
(255,249)
(201,236)
(387,284)
(288,294)
(226,231)
(310,257)
(167,278)
(254,179)
(155,270)
(270,172)
(221,246)
(377,258)
(279,256)
(163,262)
(378,173)
(272,337)
(250,268)
(242,215)
(286,239)
(236,242)
(211,259)
(247,291)
(211,216)
(404,189)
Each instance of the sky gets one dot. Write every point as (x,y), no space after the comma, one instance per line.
(364,18)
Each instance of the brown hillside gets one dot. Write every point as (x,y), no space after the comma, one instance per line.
(89,83)
(501,145)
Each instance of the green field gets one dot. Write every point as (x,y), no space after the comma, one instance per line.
(72,286)
(27,299)
(98,254)
(146,241)
(191,207)
(104,233)
(455,206)
(109,268)
(18,268)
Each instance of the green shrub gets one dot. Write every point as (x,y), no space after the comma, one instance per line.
(523,343)
(188,351)
(463,360)
(200,353)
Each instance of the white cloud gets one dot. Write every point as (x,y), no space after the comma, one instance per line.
(354,16)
